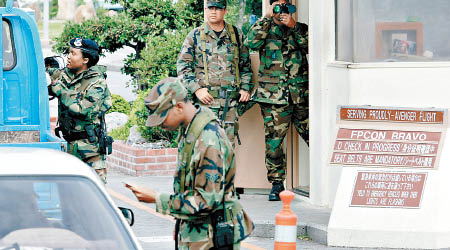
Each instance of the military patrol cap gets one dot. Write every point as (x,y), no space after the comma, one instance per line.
(85,44)
(162,98)
(217,3)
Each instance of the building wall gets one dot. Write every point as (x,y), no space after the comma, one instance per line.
(399,84)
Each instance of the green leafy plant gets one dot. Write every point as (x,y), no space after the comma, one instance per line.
(138,116)
(121,133)
(119,104)
(139,22)
(159,58)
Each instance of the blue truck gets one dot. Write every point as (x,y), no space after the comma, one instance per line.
(24,101)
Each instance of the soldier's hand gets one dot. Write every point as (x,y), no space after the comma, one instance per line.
(204,96)
(287,20)
(245,96)
(269,11)
(143,194)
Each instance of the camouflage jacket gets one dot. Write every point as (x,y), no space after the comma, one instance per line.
(82,99)
(220,54)
(284,67)
(203,193)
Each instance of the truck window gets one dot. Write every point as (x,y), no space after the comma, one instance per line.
(9,55)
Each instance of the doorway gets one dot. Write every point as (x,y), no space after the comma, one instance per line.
(251,172)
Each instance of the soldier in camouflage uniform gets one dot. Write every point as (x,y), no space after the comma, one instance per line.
(282,90)
(205,164)
(214,63)
(83,99)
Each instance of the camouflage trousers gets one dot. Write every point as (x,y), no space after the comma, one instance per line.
(276,123)
(230,124)
(85,151)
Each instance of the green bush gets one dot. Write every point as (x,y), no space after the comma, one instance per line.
(159,58)
(140,21)
(53,8)
(138,116)
(119,104)
(140,113)
(121,133)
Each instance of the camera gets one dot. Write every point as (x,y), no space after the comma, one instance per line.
(284,8)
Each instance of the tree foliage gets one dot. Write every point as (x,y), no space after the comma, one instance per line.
(156,30)
(138,23)
(159,58)
(119,104)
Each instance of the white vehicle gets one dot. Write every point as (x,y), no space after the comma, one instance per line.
(52,200)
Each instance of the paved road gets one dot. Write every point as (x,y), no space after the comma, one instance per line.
(155,231)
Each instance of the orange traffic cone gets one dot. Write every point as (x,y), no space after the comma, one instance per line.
(286,224)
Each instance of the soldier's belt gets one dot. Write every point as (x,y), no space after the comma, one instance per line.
(75,136)
(222,94)
(214,216)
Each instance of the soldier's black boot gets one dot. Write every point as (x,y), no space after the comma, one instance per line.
(277,188)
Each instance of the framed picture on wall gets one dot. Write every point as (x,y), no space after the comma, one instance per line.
(398,38)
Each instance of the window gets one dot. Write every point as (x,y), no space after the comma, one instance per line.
(9,55)
(71,209)
(392,30)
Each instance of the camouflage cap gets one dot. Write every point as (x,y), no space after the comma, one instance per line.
(217,3)
(163,97)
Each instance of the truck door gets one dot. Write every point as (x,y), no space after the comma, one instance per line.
(20,115)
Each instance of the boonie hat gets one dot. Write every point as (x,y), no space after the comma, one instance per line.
(217,3)
(84,44)
(163,97)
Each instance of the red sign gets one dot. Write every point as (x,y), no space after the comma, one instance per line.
(393,148)
(385,147)
(383,135)
(388,189)
(392,115)
(413,161)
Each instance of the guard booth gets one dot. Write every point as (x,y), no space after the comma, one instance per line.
(24,103)
(251,171)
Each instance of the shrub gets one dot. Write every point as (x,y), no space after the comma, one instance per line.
(153,134)
(159,58)
(139,21)
(121,133)
(138,116)
(119,104)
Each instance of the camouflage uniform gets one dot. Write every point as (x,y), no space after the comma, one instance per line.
(203,193)
(82,99)
(221,70)
(282,90)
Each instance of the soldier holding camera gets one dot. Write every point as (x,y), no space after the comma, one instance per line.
(282,91)
(83,99)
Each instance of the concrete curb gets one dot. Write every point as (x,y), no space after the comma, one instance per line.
(317,232)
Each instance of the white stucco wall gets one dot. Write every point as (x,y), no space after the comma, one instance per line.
(379,84)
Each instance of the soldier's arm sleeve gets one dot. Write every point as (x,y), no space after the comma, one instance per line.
(88,105)
(300,32)
(245,68)
(186,64)
(206,195)
(258,33)
(54,89)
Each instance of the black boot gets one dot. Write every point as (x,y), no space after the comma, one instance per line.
(277,188)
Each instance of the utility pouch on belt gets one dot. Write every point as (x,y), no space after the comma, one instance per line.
(105,143)
(90,130)
(223,236)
